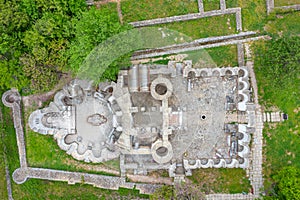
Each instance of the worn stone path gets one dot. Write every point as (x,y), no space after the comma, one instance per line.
(200,6)
(222,4)
(241,54)
(99,3)
(149,179)
(119,11)
(255,170)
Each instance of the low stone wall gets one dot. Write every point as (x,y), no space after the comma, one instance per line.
(231,197)
(12,99)
(193,16)
(108,182)
(271,6)
(191,47)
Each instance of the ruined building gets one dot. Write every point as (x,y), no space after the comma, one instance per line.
(172,117)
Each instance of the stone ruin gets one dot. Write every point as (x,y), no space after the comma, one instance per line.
(172,117)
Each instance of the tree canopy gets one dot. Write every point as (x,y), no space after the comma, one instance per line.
(40,40)
(288,183)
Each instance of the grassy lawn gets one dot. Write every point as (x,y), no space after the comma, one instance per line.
(221,180)
(222,56)
(284,24)
(211,5)
(232,3)
(253,14)
(3,190)
(150,9)
(281,140)
(205,27)
(42,189)
(286,2)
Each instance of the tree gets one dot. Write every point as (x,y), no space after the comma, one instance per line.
(34,35)
(288,183)
(94,27)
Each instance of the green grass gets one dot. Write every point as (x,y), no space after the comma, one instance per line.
(149,9)
(286,2)
(205,27)
(281,140)
(221,180)
(284,24)
(254,14)
(222,56)
(232,3)
(3,190)
(211,5)
(282,148)
(42,189)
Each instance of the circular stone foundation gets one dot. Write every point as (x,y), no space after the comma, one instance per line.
(20,175)
(162,151)
(161,88)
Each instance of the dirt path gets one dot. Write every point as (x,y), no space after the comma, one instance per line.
(99,3)
(119,11)
(150,179)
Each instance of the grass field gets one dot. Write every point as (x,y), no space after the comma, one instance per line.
(286,2)
(221,180)
(281,140)
(150,9)
(205,27)
(222,56)
(254,14)
(3,190)
(284,24)
(211,5)
(232,3)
